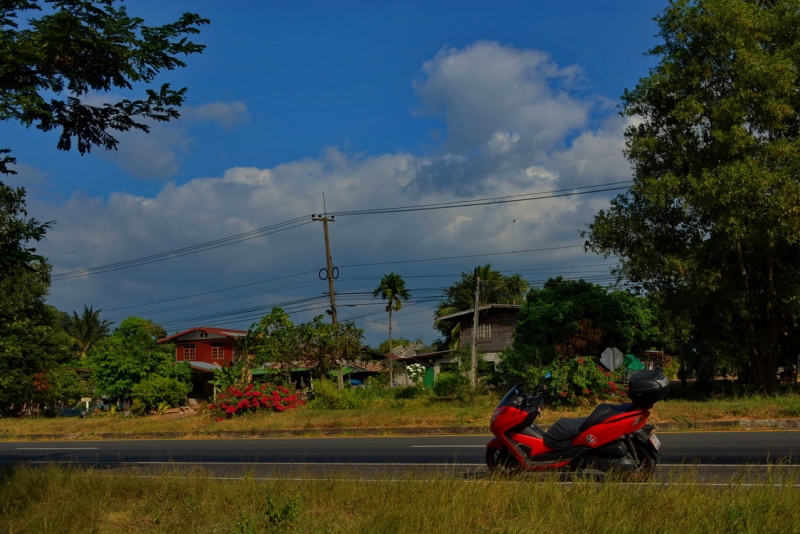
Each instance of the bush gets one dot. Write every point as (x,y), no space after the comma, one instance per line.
(409,392)
(252,398)
(138,407)
(158,390)
(576,381)
(327,396)
(450,384)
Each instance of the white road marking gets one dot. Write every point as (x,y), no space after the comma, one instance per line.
(57,448)
(447,446)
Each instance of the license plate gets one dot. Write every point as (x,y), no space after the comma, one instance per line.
(655,442)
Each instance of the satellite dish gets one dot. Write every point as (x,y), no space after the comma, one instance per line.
(403,351)
(417,345)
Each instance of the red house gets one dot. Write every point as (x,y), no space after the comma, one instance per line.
(206,344)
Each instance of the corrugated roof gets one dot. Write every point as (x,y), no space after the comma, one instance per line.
(227,332)
(204,366)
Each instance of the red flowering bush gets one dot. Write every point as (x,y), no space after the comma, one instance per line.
(253,398)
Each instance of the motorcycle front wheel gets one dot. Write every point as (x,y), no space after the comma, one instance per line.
(499,460)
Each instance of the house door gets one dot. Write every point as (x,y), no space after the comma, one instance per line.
(427,380)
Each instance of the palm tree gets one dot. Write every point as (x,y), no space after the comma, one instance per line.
(86,329)
(393,289)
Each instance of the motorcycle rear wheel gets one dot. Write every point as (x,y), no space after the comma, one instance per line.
(647,462)
(500,461)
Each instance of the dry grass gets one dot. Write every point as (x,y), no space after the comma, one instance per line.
(420,412)
(68,500)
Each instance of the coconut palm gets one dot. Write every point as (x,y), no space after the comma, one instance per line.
(393,289)
(86,329)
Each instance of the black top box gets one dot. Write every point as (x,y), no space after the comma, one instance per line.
(646,388)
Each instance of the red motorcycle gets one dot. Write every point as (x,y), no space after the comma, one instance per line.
(614,437)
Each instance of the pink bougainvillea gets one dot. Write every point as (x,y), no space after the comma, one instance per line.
(252,399)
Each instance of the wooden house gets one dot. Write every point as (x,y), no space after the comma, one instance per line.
(496,323)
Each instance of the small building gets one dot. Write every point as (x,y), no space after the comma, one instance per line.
(206,344)
(496,324)
(206,350)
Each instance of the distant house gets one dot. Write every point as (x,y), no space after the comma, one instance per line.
(206,344)
(205,349)
(496,323)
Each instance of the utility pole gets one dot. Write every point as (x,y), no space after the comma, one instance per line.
(330,273)
(473,368)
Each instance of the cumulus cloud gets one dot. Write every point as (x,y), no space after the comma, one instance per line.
(515,124)
(160,153)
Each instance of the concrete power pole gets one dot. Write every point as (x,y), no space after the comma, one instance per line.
(330,275)
(473,368)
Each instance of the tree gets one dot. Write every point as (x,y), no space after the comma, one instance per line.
(569,318)
(79,47)
(495,288)
(393,289)
(711,224)
(130,355)
(278,341)
(86,330)
(31,337)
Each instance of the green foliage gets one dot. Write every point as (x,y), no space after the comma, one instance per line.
(711,225)
(327,396)
(84,48)
(86,330)
(579,380)
(138,408)
(277,340)
(130,355)
(155,390)
(567,318)
(383,348)
(451,385)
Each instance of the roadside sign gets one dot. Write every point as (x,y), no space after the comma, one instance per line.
(612,358)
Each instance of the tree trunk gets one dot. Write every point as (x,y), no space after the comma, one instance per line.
(391,360)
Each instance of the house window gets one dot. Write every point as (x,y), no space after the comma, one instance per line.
(203,334)
(484,331)
(188,352)
(218,351)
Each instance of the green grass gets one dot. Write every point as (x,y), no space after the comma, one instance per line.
(393,413)
(69,500)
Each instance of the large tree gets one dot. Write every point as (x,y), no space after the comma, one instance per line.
(52,65)
(711,225)
(131,355)
(31,337)
(568,318)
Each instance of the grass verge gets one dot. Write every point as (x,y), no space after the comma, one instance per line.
(66,500)
(389,413)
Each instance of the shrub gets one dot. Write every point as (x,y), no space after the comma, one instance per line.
(327,396)
(576,380)
(261,398)
(157,390)
(450,384)
(138,407)
(409,392)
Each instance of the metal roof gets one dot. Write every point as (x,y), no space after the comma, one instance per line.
(482,308)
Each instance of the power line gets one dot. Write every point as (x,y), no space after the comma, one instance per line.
(194,249)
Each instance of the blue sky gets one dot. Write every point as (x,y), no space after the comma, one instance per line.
(378,104)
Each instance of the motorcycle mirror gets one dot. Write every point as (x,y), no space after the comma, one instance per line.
(548,375)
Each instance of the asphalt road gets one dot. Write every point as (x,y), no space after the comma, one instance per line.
(706,448)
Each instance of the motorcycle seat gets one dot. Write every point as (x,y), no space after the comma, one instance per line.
(603,412)
(559,436)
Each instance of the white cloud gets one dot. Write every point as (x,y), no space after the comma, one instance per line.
(511,117)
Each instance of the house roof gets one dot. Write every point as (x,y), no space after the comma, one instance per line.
(482,308)
(428,356)
(227,332)
(204,366)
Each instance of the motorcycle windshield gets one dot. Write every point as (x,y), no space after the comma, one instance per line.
(511,397)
